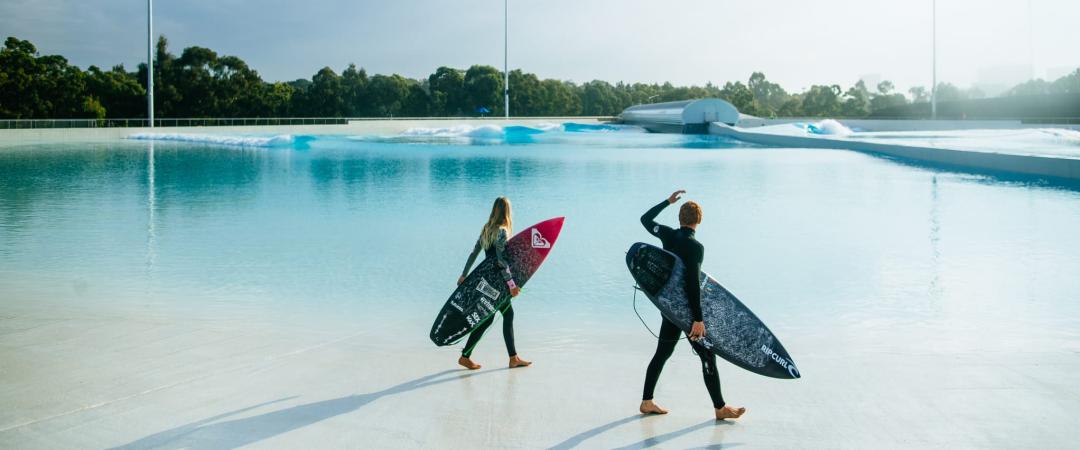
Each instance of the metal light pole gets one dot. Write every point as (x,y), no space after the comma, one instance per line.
(1031,43)
(506,57)
(150,61)
(933,89)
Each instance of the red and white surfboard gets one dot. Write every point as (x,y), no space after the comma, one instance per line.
(483,292)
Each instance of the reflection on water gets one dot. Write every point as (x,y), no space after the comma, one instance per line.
(810,239)
(151,205)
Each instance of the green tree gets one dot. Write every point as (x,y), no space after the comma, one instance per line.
(167,96)
(34,86)
(118,91)
(278,99)
(740,96)
(324,97)
(885,87)
(525,94)
(447,92)
(792,107)
(417,102)
(885,97)
(354,90)
(483,88)
(919,94)
(598,98)
(389,94)
(769,97)
(1068,84)
(822,101)
(857,101)
(559,98)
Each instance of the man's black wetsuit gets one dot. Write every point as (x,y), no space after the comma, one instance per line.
(681,242)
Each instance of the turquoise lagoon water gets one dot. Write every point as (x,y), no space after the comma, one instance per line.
(869,252)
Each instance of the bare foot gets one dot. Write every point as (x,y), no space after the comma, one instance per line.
(648,407)
(516,361)
(467,363)
(729,412)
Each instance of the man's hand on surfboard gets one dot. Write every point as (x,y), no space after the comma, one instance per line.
(675,196)
(697,331)
(515,291)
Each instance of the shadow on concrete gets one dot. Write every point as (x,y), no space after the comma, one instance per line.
(660,439)
(210,434)
(577,439)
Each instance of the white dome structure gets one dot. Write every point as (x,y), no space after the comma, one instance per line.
(687,116)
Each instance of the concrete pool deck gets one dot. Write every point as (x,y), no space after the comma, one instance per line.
(142,378)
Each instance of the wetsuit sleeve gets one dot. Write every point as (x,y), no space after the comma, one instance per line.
(693,284)
(648,220)
(500,255)
(472,258)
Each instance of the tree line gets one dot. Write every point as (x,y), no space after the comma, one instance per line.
(200,83)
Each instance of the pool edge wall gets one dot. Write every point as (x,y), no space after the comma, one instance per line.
(1043,166)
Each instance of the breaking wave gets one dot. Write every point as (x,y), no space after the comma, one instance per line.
(281,140)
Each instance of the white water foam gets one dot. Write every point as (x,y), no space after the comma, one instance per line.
(218,139)
(500,131)
(829,127)
(460,131)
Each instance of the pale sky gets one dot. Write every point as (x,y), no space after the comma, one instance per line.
(796,43)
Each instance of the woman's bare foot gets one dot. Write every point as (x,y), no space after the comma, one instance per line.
(467,363)
(516,361)
(729,412)
(648,407)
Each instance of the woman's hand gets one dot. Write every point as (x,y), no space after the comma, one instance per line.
(460,280)
(697,331)
(675,196)
(515,291)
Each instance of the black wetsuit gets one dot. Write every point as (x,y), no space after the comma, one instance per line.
(682,243)
(494,251)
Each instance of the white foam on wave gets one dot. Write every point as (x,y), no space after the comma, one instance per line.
(460,131)
(218,139)
(829,127)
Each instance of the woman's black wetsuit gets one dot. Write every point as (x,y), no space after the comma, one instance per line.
(682,243)
(494,251)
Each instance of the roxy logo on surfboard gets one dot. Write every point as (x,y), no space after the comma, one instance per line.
(538,240)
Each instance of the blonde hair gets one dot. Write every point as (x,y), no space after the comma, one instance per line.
(500,218)
(689,214)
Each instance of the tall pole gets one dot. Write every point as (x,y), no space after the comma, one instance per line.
(1031,43)
(933,89)
(150,61)
(506,57)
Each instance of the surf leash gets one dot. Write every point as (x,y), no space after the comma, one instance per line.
(636,289)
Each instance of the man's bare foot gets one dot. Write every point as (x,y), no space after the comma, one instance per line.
(648,407)
(467,363)
(729,412)
(516,361)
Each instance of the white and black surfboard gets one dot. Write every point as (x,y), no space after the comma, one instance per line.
(732,331)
